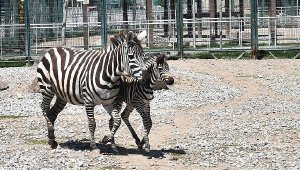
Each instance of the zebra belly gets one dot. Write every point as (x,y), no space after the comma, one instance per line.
(70,96)
(104,96)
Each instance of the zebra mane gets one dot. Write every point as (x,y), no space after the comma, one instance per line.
(117,39)
(156,58)
(122,37)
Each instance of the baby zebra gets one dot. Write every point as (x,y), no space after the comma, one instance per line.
(137,95)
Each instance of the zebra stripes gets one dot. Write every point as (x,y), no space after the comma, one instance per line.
(86,77)
(137,95)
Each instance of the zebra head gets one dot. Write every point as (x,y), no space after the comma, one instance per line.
(135,54)
(163,69)
(159,70)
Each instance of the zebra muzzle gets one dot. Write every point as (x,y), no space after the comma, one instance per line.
(169,80)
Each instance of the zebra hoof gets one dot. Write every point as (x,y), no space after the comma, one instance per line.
(140,146)
(114,149)
(93,146)
(53,143)
(147,148)
(106,139)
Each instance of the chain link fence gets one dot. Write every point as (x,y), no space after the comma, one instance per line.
(216,25)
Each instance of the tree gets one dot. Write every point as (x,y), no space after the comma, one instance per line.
(64,23)
(272,13)
(212,14)
(189,16)
(227,15)
(125,13)
(166,17)
(149,17)
(199,12)
(241,5)
(21,18)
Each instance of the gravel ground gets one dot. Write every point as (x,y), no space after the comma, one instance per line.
(219,114)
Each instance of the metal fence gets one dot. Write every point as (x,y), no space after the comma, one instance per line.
(225,28)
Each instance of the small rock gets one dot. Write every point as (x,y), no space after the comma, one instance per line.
(3,85)
(34,86)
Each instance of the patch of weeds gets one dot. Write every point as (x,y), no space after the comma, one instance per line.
(34,128)
(36,141)
(175,156)
(248,76)
(110,168)
(10,117)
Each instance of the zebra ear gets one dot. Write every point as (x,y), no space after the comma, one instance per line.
(141,36)
(113,40)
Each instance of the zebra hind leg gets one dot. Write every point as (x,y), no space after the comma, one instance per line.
(125,117)
(92,124)
(50,117)
(45,106)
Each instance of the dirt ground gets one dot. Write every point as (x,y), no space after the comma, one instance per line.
(239,73)
(253,78)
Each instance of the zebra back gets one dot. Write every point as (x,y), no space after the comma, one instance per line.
(78,75)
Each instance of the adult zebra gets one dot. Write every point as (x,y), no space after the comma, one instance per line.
(137,95)
(86,77)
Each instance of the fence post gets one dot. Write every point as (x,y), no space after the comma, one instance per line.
(254,31)
(194,25)
(180,27)
(27,32)
(103,23)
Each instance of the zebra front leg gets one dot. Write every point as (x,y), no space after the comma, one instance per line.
(116,125)
(115,122)
(107,138)
(125,117)
(147,122)
(92,124)
(108,108)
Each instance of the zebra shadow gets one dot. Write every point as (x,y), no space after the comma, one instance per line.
(105,149)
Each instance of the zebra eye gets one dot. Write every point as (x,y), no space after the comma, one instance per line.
(130,56)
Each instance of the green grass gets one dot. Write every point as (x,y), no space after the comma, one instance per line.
(175,156)
(17,62)
(12,63)
(212,55)
(10,117)
(36,141)
(110,168)
(286,54)
(262,54)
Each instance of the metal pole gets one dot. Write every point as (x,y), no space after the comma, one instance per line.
(254,31)
(230,10)
(134,11)
(221,25)
(85,27)
(103,24)
(194,26)
(297,7)
(180,27)
(27,32)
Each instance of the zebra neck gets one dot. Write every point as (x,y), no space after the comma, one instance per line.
(119,59)
(152,70)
